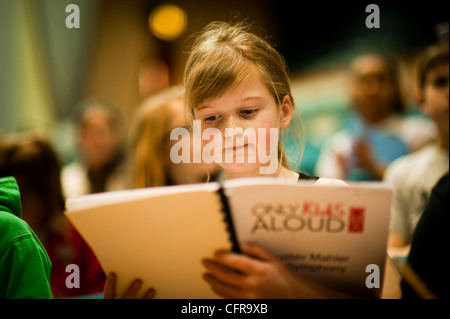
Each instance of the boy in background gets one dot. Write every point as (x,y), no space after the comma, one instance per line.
(413,176)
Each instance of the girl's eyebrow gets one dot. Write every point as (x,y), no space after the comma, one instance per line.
(244,99)
(202,107)
(252,97)
(255,98)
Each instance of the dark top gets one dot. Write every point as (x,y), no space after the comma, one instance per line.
(305,176)
(428,245)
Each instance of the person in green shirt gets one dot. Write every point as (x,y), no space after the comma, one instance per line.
(24,264)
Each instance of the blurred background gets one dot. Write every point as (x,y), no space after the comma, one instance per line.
(125,51)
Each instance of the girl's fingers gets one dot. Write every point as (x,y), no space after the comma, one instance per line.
(131,293)
(249,262)
(224,273)
(110,287)
(132,290)
(258,252)
(149,294)
(223,289)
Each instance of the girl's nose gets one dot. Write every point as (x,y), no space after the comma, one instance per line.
(233,122)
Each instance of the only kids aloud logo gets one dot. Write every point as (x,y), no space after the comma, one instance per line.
(235,146)
(308,215)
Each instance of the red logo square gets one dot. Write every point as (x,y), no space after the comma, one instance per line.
(356,220)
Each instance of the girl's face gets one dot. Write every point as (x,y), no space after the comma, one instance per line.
(249,106)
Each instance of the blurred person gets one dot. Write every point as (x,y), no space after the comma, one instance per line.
(24,264)
(420,278)
(151,165)
(32,161)
(378,131)
(151,144)
(101,165)
(412,177)
(153,77)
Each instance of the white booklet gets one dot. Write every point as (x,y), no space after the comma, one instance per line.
(327,233)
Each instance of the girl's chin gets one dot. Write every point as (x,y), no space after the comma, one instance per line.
(241,168)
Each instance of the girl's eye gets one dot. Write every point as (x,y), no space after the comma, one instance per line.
(210,119)
(248,112)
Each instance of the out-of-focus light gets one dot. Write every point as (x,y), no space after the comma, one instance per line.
(167,21)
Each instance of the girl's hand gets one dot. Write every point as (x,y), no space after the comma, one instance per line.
(253,274)
(257,274)
(131,293)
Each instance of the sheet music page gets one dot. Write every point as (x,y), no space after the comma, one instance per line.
(327,233)
(160,239)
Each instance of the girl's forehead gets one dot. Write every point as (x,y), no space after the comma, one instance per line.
(252,88)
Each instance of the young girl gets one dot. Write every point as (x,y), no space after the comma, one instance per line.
(235,79)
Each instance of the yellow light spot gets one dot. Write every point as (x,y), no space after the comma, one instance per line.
(167,22)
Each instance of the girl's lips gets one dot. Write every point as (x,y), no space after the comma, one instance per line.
(234,148)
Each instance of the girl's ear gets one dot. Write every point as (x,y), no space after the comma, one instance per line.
(287,110)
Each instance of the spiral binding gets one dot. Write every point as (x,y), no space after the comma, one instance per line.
(228,220)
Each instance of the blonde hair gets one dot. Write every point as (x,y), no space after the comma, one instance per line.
(224,55)
(150,131)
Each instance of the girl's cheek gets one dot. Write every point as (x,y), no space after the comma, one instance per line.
(212,145)
(267,140)
(271,141)
(211,137)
